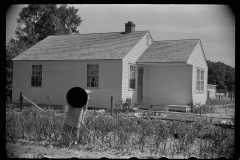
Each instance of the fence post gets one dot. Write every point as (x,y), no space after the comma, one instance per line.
(111,103)
(200,111)
(20,99)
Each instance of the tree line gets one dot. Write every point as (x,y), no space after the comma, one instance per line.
(221,75)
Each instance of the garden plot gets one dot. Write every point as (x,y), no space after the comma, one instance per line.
(123,137)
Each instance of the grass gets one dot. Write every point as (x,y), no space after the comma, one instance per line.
(155,137)
(203,109)
(221,101)
(229,106)
(211,104)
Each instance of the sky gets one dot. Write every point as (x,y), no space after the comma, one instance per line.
(214,25)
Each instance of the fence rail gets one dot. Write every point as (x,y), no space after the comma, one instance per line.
(61,101)
(229,95)
(43,100)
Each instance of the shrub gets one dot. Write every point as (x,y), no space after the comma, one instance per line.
(203,109)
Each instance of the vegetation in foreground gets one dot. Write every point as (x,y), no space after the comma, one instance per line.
(155,137)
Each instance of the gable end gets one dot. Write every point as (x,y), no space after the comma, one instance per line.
(132,54)
(194,57)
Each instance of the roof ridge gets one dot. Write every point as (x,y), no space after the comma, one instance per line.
(91,33)
(177,40)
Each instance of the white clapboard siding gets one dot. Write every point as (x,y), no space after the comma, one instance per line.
(131,58)
(60,76)
(167,84)
(197,60)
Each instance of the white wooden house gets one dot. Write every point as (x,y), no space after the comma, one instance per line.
(118,64)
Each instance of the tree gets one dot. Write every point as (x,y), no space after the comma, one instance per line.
(13,49)
(221,75)
(36,22)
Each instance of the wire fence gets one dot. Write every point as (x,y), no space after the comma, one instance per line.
(43,100)
(61,101)
(228,95)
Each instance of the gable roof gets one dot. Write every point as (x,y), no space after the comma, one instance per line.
(169,51)
(113,45)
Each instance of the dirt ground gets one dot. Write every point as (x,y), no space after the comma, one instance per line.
(19,150)
(31,150)
(37,151)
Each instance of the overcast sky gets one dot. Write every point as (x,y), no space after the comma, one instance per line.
(213,24)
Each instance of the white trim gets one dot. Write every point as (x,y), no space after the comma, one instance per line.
(151,38)
(140,65)
(129,66)
(36,64)
(142,83)
(162,63)
(98,76)
(199,92)
(203,53)
(123,59)
(13,80)
(192,52)
(200,44)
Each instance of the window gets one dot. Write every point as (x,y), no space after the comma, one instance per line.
(36,78)
(132,78)
(200,81)
(92,75)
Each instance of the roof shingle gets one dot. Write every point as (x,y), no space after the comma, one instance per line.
(169,51)
(114,45)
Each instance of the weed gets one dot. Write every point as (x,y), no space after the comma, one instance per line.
(161,138)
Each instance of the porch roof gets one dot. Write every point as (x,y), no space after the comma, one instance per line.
(169,51)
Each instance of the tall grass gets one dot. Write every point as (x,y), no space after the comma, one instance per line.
(151,136)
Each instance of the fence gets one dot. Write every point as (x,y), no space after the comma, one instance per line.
(99,104)
(22,98)
(228,95)
(43,100)
(56,103)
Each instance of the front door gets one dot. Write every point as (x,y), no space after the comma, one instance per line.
(140,85)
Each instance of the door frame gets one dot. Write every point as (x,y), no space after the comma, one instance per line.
(141,100)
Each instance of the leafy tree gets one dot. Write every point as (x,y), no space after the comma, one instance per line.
(13,49)
(221,75)
(36,22)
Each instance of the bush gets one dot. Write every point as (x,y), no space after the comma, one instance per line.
(203,109)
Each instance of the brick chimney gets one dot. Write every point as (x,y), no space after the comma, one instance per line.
(129,27)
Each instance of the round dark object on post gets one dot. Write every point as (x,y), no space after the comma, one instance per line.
(77,97)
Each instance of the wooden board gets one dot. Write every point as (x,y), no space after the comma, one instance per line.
(180,108)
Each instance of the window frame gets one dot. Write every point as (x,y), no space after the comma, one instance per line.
(131,77)
(200,79)
(36,75)
(92,75)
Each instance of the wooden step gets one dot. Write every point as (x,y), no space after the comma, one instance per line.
(153,107)
(178,108)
